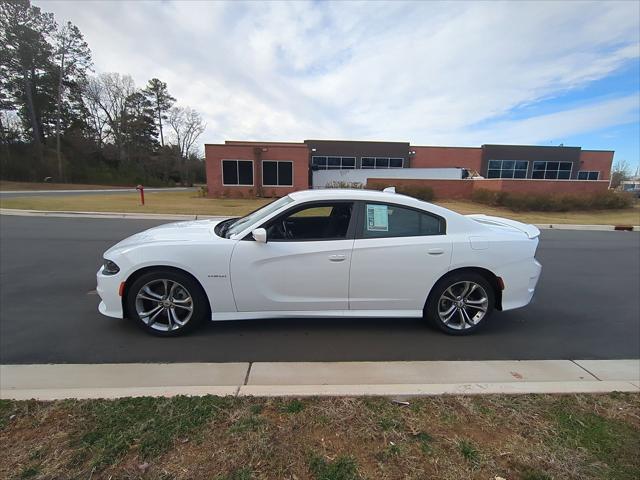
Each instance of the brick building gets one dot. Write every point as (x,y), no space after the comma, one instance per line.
(273,169)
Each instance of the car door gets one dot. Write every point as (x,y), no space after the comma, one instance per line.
(398,254)
(303,266)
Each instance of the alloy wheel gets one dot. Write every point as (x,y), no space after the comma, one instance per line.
(164,305)
(463,305)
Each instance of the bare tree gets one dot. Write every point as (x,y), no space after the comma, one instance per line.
(109,92)
(187,126)
(620,171)
(96,116)
(10,132)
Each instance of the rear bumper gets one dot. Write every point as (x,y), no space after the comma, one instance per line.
(520,284)
(108,288)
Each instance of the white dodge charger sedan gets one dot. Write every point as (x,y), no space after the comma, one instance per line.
(323,253)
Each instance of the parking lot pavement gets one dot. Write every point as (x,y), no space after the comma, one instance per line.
(586,306)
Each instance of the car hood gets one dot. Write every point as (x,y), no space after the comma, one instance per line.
(191,231)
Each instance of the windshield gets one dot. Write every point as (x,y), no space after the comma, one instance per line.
(244,222)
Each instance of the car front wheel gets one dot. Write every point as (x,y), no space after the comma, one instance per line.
(461,303)
(166,303)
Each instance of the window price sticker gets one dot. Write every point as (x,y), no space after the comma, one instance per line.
(377,218)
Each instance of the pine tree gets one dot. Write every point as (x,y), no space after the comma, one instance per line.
(162,101)
(26,63)
(73,60)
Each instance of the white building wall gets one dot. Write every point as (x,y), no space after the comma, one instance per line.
(322,178)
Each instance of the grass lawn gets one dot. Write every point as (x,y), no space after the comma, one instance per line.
(190,203)
(155,202)
(628,216)
(528,437)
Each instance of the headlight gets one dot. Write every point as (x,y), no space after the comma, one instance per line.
(110,268)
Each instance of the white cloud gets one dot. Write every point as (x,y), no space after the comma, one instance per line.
(425,72)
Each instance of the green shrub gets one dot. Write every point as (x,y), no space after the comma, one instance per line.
(554,202)
(421,192)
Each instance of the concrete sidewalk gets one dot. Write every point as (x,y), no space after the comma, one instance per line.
(50,382)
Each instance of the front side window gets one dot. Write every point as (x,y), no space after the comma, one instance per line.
(317,221)
(507,169)
(277,173)
(237,173)
(588,175)
(552,170)
(383,221)
(240,224)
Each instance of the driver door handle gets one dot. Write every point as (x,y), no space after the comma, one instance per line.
(337,258)
(436,251)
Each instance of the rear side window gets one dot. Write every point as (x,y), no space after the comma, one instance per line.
(383,221)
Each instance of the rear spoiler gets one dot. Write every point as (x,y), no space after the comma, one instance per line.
(530,230)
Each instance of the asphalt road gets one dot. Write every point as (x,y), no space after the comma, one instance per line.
(587,307)
(60,193)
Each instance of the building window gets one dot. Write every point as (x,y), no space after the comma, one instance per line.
(277,173)
(237,173)
(381,162)
(588,175)
(507,169)
(333,163)
(552,170)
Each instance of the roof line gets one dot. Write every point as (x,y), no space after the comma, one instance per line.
(356,141)
(443,146)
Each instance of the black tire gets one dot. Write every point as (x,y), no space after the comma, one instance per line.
(456,281)
(186,288)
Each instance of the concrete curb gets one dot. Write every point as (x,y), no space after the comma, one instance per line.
(568,226)
(415,390)
(269,379)
(165,216)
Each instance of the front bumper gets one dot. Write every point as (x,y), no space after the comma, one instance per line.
(108,288)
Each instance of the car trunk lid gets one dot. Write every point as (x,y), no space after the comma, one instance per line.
(530,231)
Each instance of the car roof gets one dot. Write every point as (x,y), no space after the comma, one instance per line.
(357,194)
(344,193)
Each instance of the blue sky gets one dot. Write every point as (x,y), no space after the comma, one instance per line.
(432,73)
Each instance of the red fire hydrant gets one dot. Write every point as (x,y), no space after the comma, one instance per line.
(141,189)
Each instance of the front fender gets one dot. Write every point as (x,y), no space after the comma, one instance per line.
(208,263)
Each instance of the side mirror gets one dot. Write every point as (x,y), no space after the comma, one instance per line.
(260,235)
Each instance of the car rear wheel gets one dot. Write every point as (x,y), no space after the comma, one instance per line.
(166,303)
(461,303)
